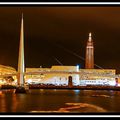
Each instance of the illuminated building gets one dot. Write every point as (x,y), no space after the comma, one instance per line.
(57,79)
(89,60)
(97,77)
(94,78)
(6,70)
(86,76)
(35,78)
(118,82)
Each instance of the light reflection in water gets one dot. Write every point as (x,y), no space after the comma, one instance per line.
(55,100)
(76,108)
(3,103)
(76,91)
(14,103)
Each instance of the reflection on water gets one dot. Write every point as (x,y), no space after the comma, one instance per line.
(76,108)
(82,107)
(73,101)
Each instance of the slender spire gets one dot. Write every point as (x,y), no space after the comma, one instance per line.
(22,15)
(90,37)
(21,55)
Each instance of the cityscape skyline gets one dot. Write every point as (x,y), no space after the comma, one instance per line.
(53,52)
(46,40)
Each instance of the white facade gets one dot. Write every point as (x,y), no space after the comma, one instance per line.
(86,76)
(97,77)
(93,78)
(59,78)
(98,82)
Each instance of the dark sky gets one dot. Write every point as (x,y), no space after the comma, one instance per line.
(53,32)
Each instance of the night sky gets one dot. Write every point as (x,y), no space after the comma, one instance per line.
(55,35)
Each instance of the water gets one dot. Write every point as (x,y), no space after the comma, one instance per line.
(63,101)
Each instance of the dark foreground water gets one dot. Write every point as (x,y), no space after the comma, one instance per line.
(60,101)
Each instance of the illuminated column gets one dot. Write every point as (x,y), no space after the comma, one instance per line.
(89,60)
(21,66)
(77,76)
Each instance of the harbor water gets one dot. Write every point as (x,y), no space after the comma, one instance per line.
(60,101)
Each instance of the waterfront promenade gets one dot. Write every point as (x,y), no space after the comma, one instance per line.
(37,86)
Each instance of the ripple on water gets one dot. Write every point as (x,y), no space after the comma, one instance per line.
(76,108)
(82,107)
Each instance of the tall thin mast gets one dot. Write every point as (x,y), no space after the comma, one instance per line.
(21,65)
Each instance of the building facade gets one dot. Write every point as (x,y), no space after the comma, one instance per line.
(98,77)
(53,78)
(86,76)
(6,70)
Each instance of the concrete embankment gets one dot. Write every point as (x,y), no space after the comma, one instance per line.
(65,87)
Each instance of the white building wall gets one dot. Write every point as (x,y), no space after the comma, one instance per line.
(82,79)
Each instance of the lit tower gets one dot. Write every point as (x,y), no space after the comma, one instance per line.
(89,60)
(21,66)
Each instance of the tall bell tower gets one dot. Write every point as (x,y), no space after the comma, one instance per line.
(89,58)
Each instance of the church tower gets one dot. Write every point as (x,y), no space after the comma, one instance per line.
(89,58)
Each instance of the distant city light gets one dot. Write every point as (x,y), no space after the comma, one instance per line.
(78,67)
